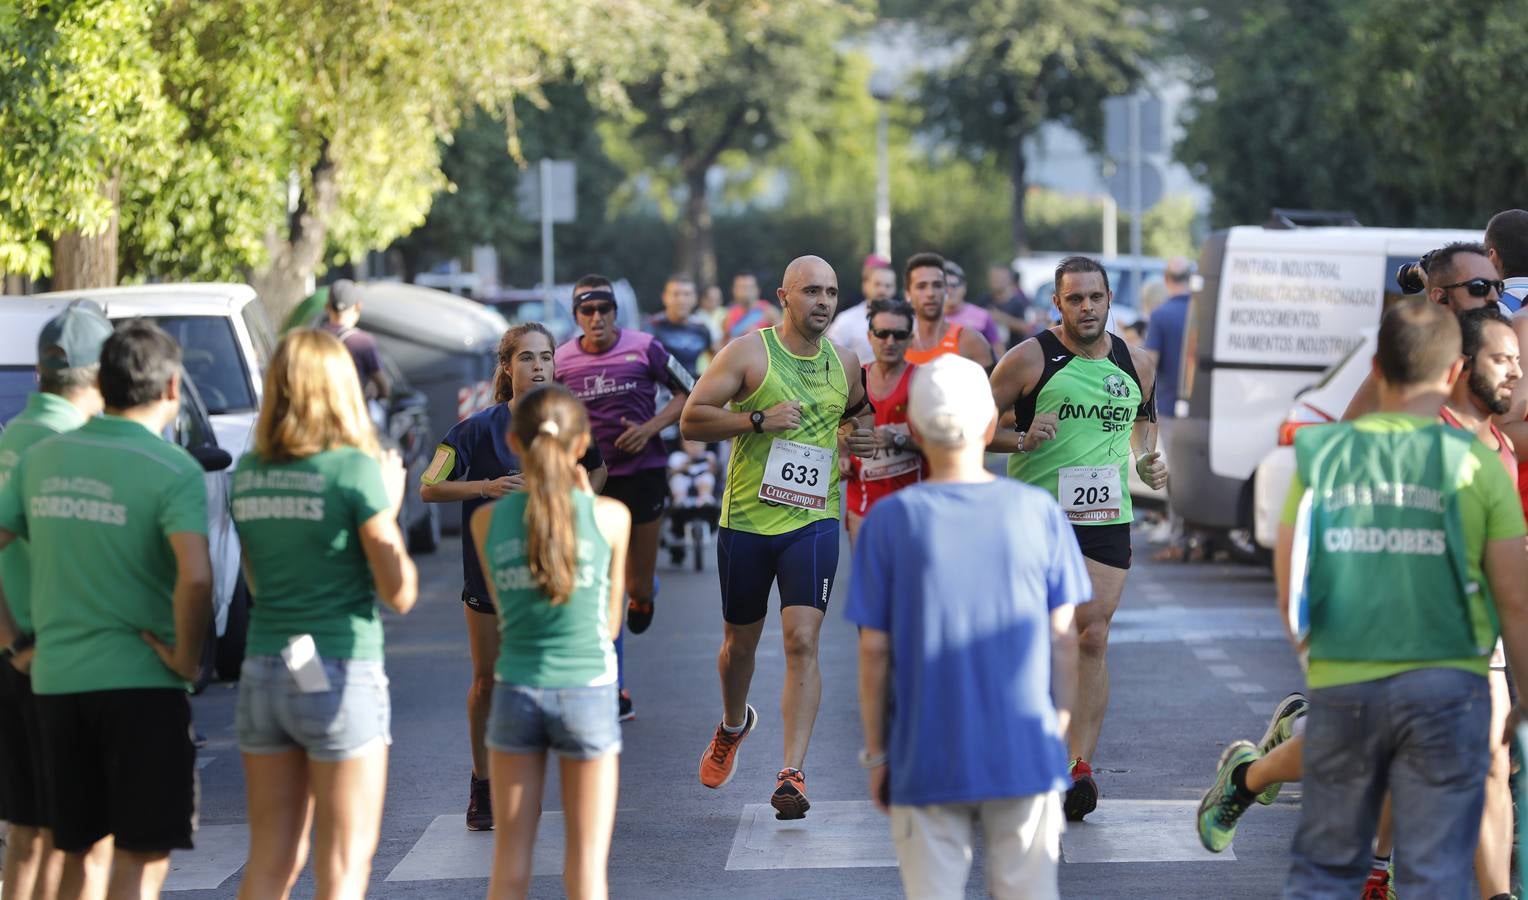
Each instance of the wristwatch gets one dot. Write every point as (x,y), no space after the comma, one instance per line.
(899,441)
(758,421)
(20,645)
(867,761)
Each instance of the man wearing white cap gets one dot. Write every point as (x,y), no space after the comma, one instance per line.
(967,676)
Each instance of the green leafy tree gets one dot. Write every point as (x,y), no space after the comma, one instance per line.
(1017,64)
(774,62)
(81,115)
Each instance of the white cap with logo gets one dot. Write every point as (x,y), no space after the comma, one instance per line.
(950,402)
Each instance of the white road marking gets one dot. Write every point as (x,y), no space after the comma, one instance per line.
(203,762)
(1138,831)
(220,852)
(1209,654)
(1165,624)
(448,850)
(1227,671)
(838,834)
(1242,687)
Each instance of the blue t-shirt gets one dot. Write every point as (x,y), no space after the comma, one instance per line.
(1164,335)
(473,450)
(684,341)
(968,613)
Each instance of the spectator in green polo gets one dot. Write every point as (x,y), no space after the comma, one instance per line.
(1401,553)
(116,520)
(68,357)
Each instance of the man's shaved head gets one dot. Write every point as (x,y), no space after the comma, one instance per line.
(806,270)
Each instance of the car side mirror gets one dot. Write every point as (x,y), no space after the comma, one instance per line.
(212,458)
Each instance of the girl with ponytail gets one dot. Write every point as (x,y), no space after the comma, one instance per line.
(474,465)
(553,558)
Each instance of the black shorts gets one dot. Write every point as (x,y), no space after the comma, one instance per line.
(482,605)
(23,790)
(644,493)
(802,562)
(120,763)
(1105,544)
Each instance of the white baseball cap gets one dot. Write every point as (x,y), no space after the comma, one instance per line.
(950,402)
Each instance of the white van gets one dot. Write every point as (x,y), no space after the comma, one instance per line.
(1277,308)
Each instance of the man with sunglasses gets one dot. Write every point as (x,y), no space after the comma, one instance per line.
(897,461)
(616,373)
(781,396)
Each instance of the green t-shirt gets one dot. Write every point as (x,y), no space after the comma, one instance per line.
(541,645)
(805,493)
(299,523)
(98,505)
(45,415)
(1489,510)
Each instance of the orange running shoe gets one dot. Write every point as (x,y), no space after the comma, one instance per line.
(789,798)
(719,763)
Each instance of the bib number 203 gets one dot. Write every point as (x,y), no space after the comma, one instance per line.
(806,475)
(1090,496)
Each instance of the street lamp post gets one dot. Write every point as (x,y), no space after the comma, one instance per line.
(881,88)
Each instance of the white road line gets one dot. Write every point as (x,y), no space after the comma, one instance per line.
(837,834)
(1242,687)
(220,852)
(1227,672)
(1209,654)
(1137,831)
(203,762)
(448,850)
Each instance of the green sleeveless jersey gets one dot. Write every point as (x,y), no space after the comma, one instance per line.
(1097,402)
(780,482)
(541,645)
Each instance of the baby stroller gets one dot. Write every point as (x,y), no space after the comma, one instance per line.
(693,511)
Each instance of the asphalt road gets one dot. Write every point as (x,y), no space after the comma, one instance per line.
(1197,660)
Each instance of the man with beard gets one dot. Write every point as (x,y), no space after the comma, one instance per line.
(789,392)
(1083,403)
(933,335)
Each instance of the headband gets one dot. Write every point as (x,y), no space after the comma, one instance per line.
(593,294)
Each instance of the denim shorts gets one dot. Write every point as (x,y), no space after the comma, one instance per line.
(344,722)
(575,723)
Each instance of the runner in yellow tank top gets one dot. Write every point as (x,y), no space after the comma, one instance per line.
(781,395)
(933,335)
(1083,402)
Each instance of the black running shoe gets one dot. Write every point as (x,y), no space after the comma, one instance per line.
(479,806)
(1082,796)
(624,708)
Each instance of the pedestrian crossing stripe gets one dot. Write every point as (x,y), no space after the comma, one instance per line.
(835,835)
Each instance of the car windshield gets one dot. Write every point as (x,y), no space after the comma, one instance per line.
(212,357)
(16,383)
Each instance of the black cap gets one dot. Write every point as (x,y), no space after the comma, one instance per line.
(343,295)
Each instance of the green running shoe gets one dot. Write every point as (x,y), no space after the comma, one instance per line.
(1280,729)
(1220,808)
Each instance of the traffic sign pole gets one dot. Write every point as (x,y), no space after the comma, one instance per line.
(547,280)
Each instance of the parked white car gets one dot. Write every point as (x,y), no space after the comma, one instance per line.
(1323,402)
(21,318)
(226,342)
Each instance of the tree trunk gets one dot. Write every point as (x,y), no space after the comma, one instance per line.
(89,260)
(1018,169)
(294,256)
(697,252)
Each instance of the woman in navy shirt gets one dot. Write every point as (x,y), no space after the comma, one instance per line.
(473,465)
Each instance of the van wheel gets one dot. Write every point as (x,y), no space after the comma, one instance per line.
(424,536)
(230,647)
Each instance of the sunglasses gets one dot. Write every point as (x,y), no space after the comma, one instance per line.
(595,309)
(891,334)
(1478,287)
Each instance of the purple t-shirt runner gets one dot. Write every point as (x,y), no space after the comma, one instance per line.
(977,319)
(622,383)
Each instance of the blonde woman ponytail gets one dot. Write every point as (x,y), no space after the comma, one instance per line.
(548,423)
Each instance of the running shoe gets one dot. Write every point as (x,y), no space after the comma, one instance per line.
(479,806)
(1082,796)
(719,763)
(789,798)
(627,711)
(639,613)
(1223,804)
(1280,729)
(1378,887)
